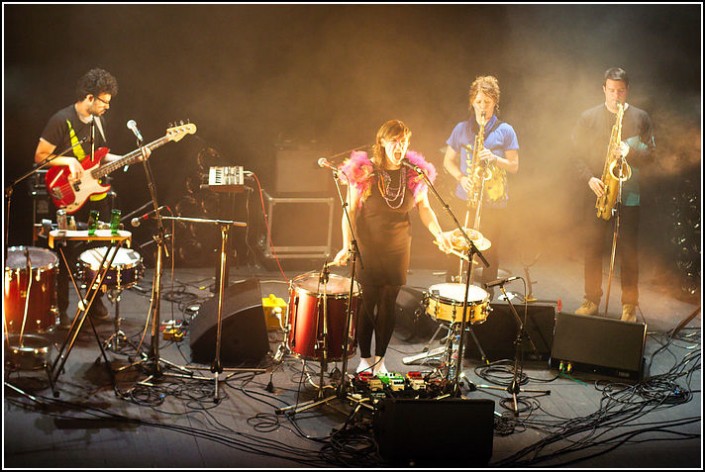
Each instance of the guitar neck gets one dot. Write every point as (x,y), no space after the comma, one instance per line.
(127,159)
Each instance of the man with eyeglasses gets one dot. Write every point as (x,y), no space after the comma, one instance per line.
(80,127)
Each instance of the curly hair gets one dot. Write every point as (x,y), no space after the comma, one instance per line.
(94,82)
(489,85)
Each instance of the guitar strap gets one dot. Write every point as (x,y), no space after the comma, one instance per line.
(99,125)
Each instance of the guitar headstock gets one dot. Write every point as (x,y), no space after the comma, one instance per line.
(177,132)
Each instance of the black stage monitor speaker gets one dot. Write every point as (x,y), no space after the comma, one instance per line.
(412,322)
(497,334)
(435,433)
(244,333)
(599,345)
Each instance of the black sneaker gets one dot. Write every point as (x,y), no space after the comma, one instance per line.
(98,311)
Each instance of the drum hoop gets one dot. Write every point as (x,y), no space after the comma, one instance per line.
(116,264)
(297,287)
(327,295)
(452,302)
(35,269)
(458,302)
(52,265)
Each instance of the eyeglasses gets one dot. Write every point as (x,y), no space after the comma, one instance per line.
(100,99)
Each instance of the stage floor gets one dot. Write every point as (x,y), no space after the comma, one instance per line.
(578,419)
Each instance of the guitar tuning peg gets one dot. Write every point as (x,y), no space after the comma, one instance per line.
(181,122)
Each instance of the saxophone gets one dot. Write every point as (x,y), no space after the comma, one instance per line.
(478,172)
(615,171)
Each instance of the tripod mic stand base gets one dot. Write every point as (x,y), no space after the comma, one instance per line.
(424,355)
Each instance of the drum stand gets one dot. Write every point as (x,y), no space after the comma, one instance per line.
(113,343)
(514,387)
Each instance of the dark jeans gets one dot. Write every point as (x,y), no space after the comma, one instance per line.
(598,247)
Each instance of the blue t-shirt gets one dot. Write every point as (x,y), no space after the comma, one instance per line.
(499,138)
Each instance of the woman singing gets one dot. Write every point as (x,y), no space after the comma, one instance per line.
(381,194)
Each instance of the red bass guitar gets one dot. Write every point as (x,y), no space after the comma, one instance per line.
(72,194)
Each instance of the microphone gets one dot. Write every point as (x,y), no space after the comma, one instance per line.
(138,220)
(132,126)
(323,162)
(415,168)
(501,281)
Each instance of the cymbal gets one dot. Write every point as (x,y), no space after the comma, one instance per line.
(460,244)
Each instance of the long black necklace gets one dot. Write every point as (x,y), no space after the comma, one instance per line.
(389,193)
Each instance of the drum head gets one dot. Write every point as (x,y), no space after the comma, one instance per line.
(337,285)
(38,258)
(451,292)
(125,258)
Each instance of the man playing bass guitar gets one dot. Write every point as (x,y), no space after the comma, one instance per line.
(80,128)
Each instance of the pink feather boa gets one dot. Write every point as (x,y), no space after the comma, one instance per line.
(358,169)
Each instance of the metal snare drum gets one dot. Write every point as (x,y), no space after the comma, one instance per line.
(126,270)
(445,301)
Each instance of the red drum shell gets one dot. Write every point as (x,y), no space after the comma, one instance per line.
(41,308)
(305,318)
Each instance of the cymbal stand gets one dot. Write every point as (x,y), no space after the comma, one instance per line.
(217,366)
(514,387)
(472,251)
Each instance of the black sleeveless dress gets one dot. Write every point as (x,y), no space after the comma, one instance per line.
(384,232)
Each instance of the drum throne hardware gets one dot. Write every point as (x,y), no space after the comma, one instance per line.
(514,387)
(472,251)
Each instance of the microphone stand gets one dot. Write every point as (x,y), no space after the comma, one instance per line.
(472,251)
(514,386)
(155,369)
(217,366)
(341,392)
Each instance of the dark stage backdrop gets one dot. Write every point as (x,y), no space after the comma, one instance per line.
(263,81)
